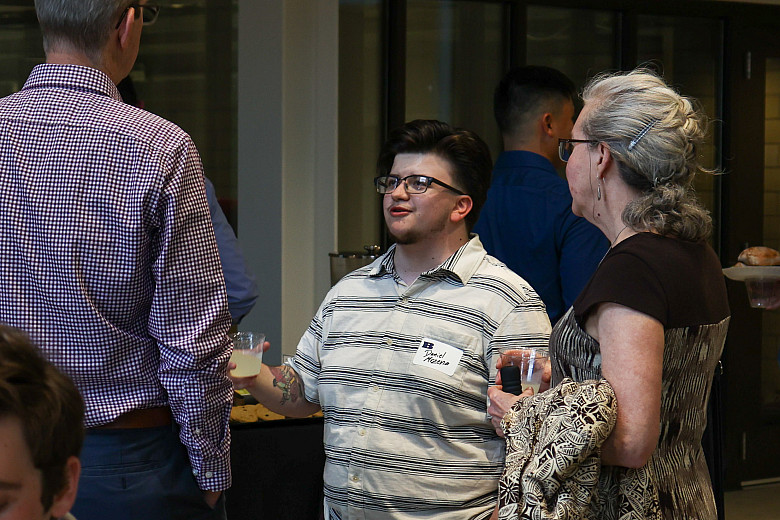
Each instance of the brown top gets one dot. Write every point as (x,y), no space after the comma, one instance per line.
(678,283)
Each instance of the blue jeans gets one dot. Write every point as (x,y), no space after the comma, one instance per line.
(143,473)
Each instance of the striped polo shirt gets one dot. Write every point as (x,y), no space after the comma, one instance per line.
(401,373)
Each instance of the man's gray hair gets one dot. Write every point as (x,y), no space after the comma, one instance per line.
(82,25)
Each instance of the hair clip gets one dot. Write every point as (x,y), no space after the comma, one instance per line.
(641,134)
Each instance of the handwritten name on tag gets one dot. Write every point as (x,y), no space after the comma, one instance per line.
(437,355)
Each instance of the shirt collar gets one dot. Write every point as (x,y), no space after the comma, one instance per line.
(518,158)
(72,77)
(461,265)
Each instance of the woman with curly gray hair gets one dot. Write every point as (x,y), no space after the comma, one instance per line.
(653,318)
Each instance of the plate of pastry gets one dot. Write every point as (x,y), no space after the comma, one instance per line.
(755,263)
(759,268)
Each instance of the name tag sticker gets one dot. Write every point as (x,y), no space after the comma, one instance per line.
(437,355)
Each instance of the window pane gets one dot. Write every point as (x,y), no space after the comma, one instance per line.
(687,51)
(185,72)
(770,354)
(455,57)
(578,42)
(360,125)
(20,39)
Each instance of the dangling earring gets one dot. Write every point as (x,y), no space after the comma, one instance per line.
(598,191)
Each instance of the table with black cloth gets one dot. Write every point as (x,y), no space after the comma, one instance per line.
(277,470)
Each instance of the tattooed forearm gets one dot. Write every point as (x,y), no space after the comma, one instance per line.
(286,380)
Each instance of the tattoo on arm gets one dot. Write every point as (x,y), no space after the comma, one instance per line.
(286,380)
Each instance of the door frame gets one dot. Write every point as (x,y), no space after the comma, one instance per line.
(750,449)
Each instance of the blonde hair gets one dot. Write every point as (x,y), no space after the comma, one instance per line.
(655,135)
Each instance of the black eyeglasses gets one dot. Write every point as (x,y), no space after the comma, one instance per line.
(147,11)
(413,183)
(566,147)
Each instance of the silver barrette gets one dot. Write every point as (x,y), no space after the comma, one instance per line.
(641,134)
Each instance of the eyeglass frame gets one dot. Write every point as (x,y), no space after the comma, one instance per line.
(155,9)
(399,181)
(563,142)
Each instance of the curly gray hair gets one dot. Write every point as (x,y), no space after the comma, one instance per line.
(655,135)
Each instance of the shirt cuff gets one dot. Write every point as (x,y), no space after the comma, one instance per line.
(212,476)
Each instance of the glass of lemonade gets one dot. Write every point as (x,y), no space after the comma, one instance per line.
(530,361)
(247,353)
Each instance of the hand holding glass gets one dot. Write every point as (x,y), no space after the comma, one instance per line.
(530,362)
(247,353)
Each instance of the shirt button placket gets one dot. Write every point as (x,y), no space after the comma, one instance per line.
(355,485)
(362,441)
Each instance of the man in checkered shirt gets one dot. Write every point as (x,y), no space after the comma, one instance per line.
(108,261)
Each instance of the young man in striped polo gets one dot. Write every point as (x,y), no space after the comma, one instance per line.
(401,352)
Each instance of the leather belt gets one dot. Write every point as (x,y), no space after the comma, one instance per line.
(146,418)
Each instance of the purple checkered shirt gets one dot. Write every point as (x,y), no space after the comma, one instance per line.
(108,259)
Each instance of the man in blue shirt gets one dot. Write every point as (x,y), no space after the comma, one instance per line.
(240,283)
(527,220)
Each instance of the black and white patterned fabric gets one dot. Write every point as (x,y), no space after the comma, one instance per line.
(553,466)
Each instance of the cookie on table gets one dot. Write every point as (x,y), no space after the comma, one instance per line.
(244,414)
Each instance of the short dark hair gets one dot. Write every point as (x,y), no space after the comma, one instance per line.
(48,406)
(464,150)
(526,91)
